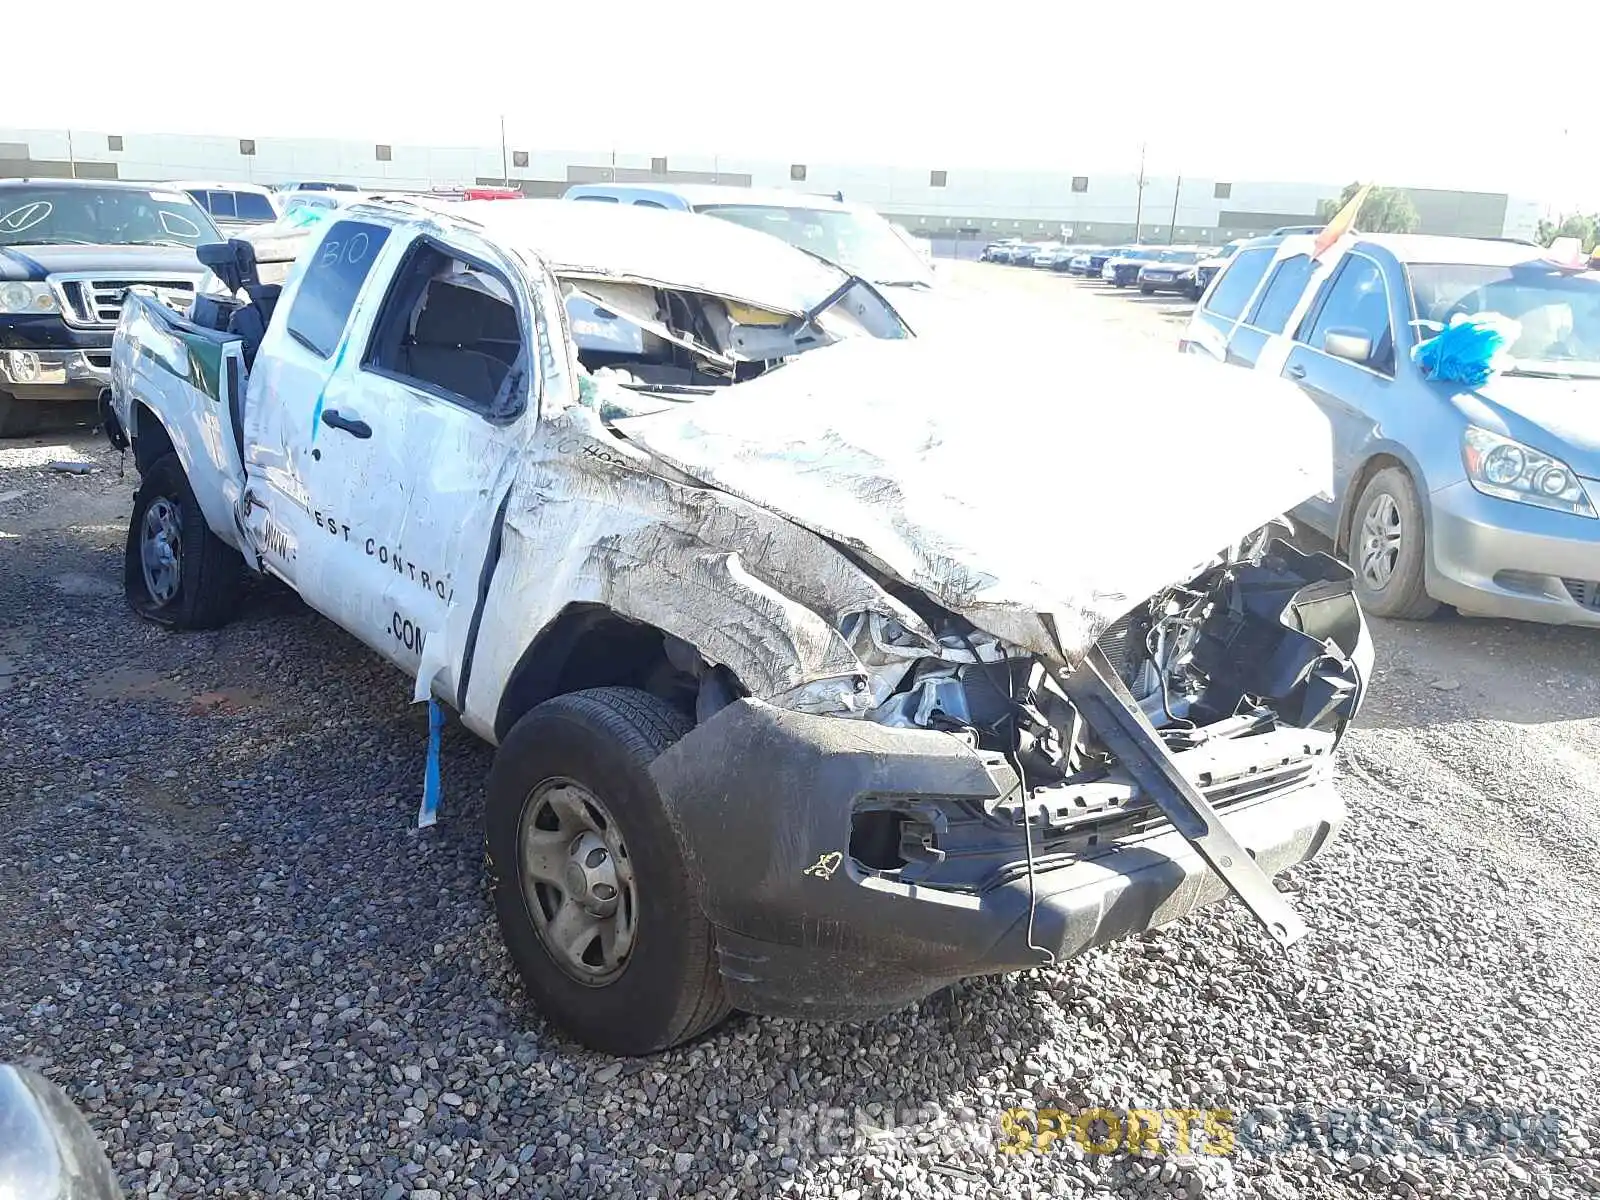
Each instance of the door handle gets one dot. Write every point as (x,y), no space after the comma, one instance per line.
(354,426)
(1296,372)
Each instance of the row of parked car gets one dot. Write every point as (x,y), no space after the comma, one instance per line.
(1186,270)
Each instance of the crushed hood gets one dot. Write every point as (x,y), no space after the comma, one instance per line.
(1040,504)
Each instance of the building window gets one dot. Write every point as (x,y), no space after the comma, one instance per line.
(247,146)
(797,172)
(658,166)
(519,158)
(384,153)
(114,141)
(1223,191)
(1080,183)
(937,178)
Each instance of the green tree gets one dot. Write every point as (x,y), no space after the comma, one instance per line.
(1585,228)
(1385,210)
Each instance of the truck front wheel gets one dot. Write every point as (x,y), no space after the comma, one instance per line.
(593,897)
(175,570)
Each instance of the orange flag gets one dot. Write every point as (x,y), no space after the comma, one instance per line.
(1343,221)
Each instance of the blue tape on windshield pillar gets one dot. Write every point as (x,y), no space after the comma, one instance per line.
(428,814)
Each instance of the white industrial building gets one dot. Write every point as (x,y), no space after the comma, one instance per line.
(943,200)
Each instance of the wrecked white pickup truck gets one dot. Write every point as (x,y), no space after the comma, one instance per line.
(862,671)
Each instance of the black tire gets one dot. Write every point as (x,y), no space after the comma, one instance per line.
(668,989)
(1146,290)
(1389,500)
(207,567)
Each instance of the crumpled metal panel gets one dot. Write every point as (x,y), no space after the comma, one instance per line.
(1041,505)
(593,519)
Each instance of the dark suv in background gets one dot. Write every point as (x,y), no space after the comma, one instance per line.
(69,251)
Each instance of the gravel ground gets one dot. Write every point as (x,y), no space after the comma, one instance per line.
(220,933)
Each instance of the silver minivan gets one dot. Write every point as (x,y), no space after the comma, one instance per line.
(1486,497)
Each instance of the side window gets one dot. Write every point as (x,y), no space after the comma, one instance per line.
(1356,303)
(1282,293)
(334,275)
(648,204)
(1238,282)
(449,326)
(601,199)
(220,204)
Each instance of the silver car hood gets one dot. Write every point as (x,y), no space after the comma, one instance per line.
(1041,506)
(1559,416)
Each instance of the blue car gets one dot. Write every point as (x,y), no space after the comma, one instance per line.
(1486,498)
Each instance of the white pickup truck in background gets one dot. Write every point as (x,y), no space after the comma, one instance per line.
(826,666)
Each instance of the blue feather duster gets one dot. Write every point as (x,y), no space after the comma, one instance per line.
(1470,350)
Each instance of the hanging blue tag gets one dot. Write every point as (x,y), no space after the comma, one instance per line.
(428,814)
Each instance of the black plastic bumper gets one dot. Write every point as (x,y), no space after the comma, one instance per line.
(762,798)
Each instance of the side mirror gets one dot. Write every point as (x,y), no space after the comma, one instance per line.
(46,1146)
(1348,344)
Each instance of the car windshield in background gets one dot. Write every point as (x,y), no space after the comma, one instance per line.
(1559,312)
(862,244)
(38,216)
(1179,256)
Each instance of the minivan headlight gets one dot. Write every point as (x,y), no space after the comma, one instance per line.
(1498,466)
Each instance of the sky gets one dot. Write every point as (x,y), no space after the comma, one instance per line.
(1406,93)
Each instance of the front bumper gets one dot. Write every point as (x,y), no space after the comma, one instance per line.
(1497,558)
(43,358)
(762,801)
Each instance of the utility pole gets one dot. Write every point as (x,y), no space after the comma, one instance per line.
(505,171)
(1138,209)
(1172,229)
(72,159)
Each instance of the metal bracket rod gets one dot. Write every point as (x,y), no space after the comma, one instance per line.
(1112,712)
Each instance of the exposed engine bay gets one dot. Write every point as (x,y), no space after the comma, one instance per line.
(1258,645)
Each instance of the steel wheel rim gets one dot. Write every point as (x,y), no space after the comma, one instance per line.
(1382,535)
(161,549)
(577,881)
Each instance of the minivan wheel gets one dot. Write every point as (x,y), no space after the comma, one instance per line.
(594,899)
(175,570)
(1387,548)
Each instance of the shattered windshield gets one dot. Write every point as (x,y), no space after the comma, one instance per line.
(53,216)
(1558,311)
(862,243)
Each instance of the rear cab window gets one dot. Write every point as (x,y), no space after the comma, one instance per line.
(1238,283)
(333,278)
